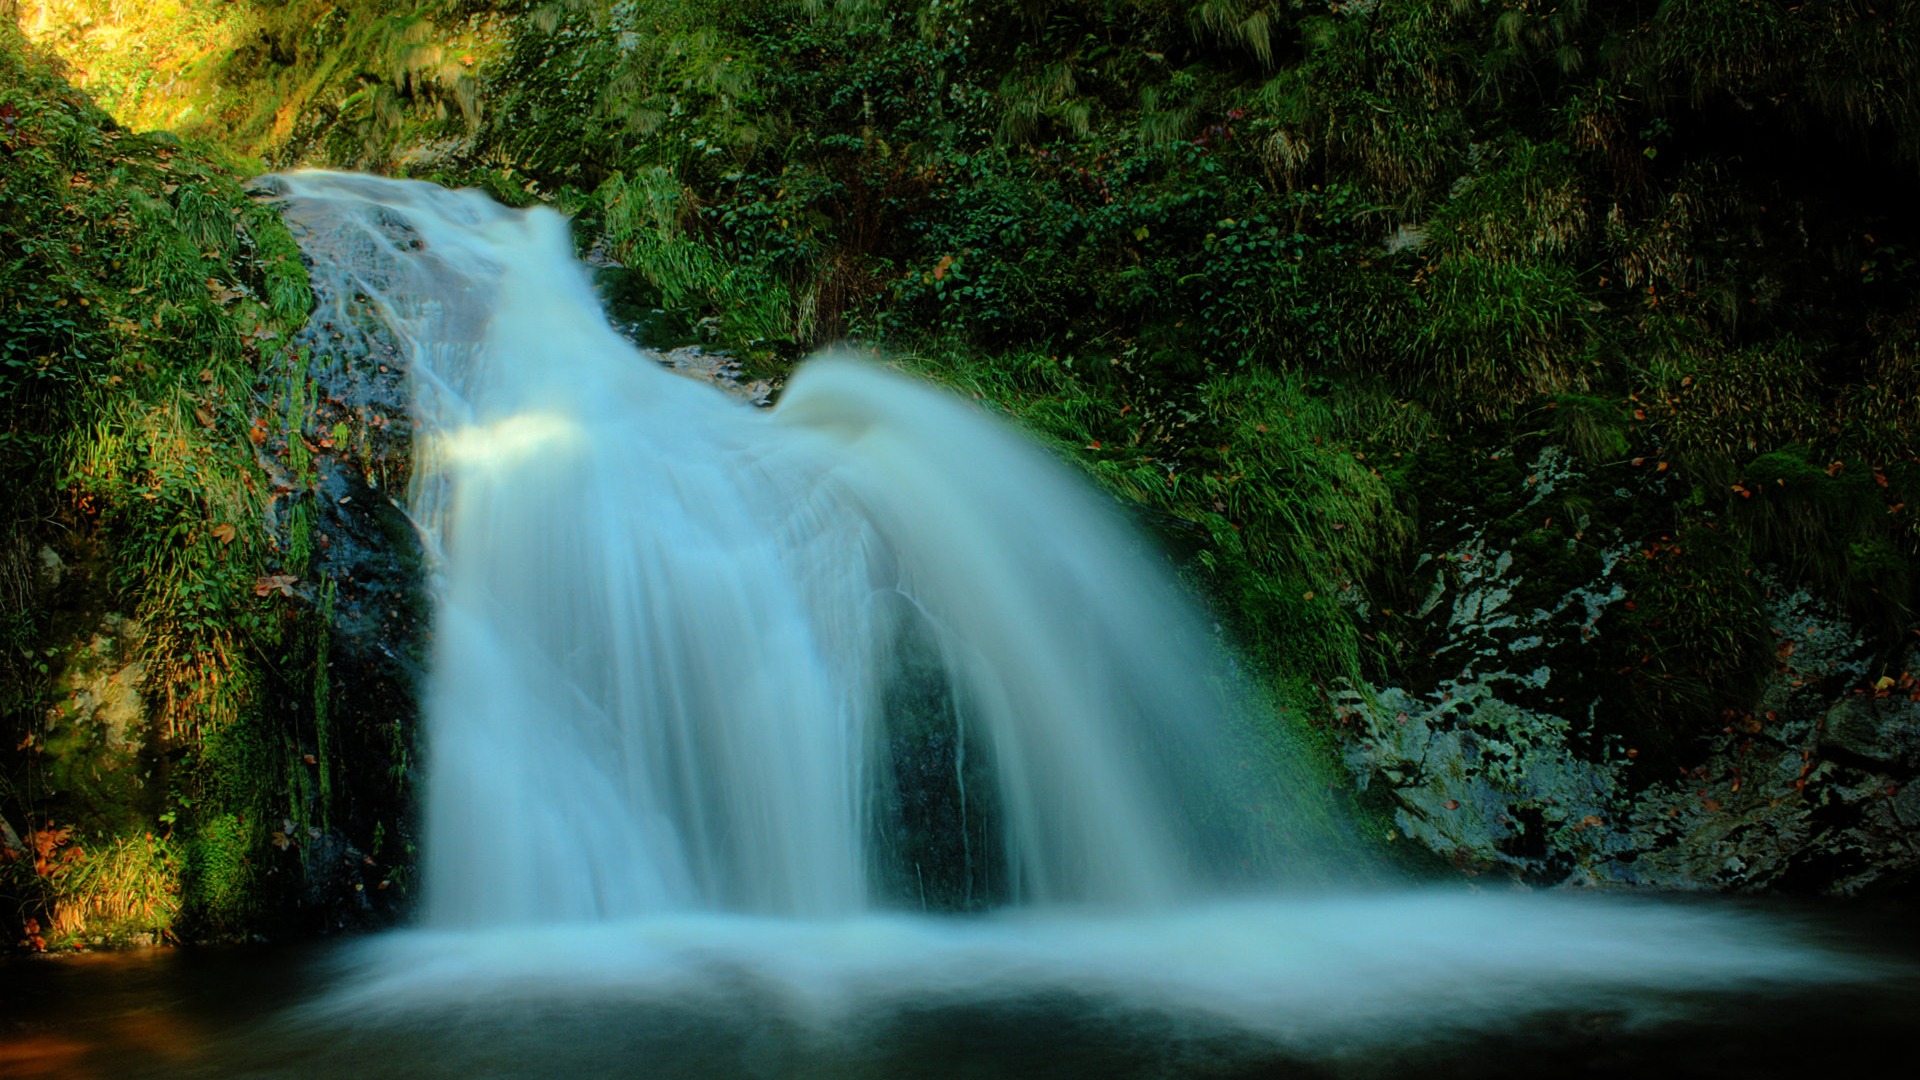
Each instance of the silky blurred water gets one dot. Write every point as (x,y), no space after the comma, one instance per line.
(670,628)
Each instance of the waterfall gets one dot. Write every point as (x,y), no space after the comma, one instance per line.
(671,629)
(713,688)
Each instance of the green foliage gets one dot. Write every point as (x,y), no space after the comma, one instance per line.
(138,286)
(1829,522)
(1492,335)
(1594,428)
(1691,641)
(645,219)
(217,883)
(125,891)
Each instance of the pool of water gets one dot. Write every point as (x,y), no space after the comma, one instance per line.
(1427,984)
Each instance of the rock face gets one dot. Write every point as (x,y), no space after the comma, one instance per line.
(96,734)
(333,432)
(1503,759)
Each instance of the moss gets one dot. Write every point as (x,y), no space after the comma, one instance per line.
(1830,524)
(322,702)
(217,884)
(1594,428)
(1689,643)
(1554,565)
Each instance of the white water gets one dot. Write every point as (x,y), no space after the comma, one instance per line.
(659,722)
(667,621)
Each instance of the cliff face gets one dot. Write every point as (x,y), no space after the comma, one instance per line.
(1534,390)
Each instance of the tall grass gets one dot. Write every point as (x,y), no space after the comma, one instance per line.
(650,226)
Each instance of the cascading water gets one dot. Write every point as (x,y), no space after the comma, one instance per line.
(681,644)
(668,623)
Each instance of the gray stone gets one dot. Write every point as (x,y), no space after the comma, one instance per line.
(1906,805)
(1885,730)
(53,569)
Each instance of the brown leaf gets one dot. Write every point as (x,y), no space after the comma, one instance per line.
(280,583)
(223,533)
(1451,804)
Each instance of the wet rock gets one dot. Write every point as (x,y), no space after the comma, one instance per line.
(333,429)
(11,846)
(103,682)
(1905,805)
(52,569)
(95,741)
(1880,729)
(722,370)
(1481,781)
